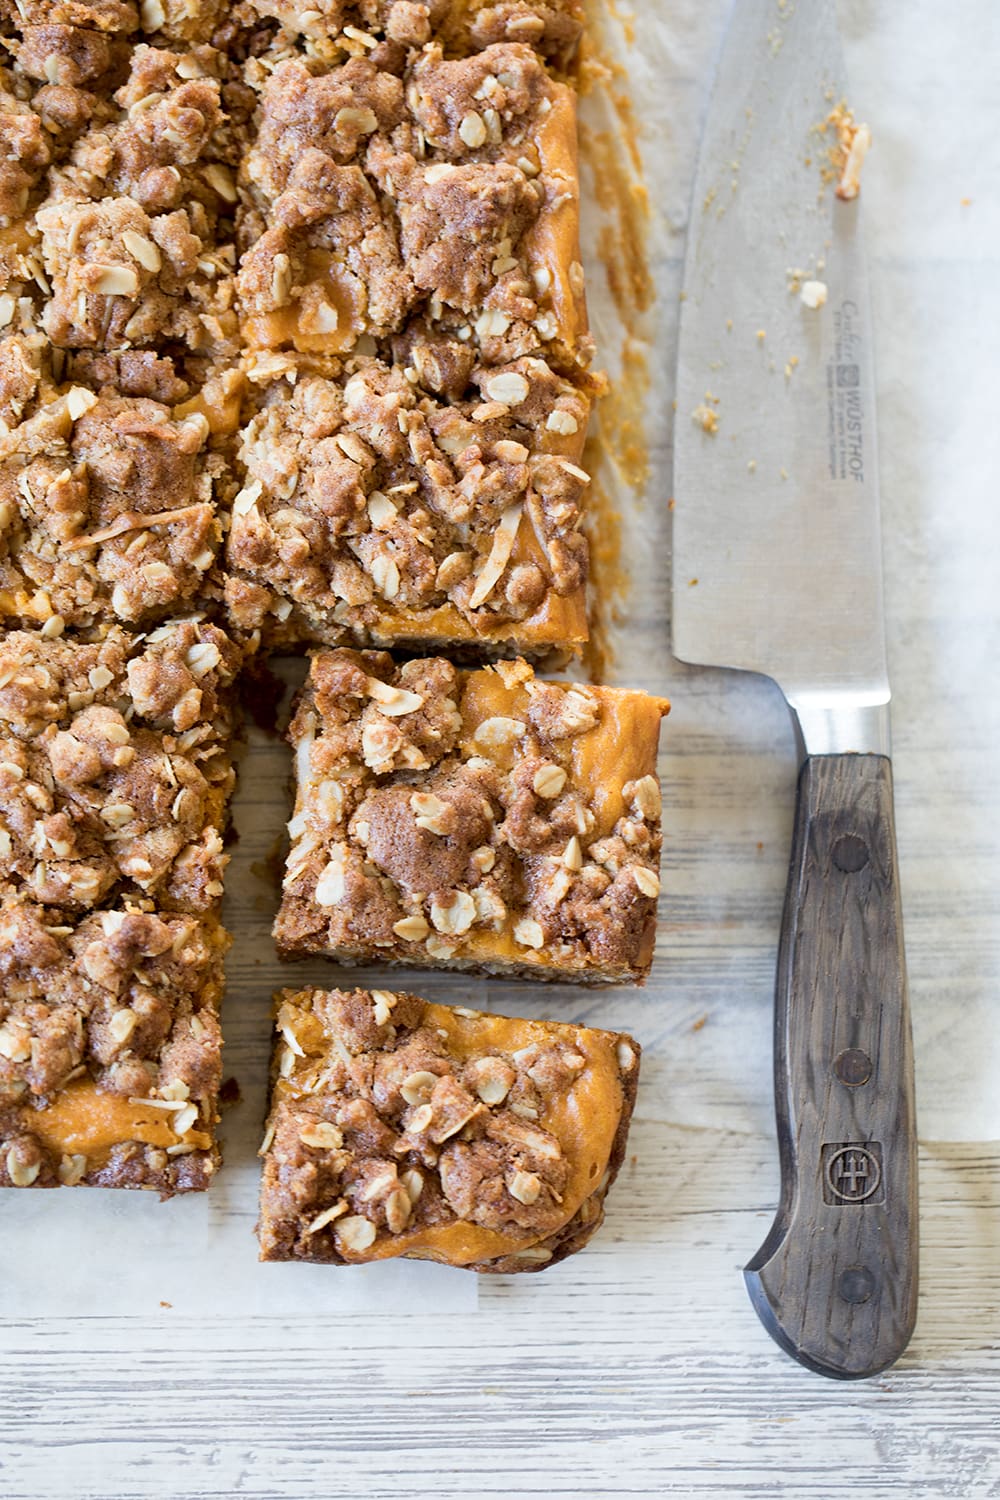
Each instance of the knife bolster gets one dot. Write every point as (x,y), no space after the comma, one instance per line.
(849,723)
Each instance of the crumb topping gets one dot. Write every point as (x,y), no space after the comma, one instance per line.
(127,995)
(162,149)
(371,209)
(110,1048)
(842,162)
(186,21)
(24,156)
(331,30)
(399,180)
(136,227)
(446,194)
(107,502)
(132,279)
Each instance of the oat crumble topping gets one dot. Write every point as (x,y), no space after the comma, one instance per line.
(293,338)
(109,1048)
(372,501)
(114,767)
(404,1128)
(331,30)
(109,503)
(448,195)
(377,200)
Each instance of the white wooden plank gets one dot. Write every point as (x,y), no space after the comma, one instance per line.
(637,1369)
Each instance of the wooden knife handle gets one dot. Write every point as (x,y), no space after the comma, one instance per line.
(835,1282)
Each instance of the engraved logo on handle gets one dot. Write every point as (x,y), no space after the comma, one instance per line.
(852,1172)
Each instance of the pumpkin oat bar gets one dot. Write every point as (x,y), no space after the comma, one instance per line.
(111,502)
(447,197)
(403,1128)
(110,1049)
(377,511)
(137,227)
(115,767)
(480,820)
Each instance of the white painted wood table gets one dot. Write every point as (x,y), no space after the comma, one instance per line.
(147,1356)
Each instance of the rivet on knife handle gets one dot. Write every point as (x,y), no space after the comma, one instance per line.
(835,1282)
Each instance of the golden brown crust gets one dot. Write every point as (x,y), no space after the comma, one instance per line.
(403,1128)
(472,819)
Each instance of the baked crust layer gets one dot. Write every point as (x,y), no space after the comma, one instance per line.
(404,1128)
(472,819)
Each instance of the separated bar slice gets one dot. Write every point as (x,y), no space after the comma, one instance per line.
(403,1128)
(472,819)
(115,767)
(109,1048)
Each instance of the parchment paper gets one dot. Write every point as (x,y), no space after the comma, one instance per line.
(728,761)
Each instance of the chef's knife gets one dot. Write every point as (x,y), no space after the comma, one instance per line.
(777,570)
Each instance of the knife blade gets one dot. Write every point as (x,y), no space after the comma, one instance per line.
(777,570)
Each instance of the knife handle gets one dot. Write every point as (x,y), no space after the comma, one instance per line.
(835,1282)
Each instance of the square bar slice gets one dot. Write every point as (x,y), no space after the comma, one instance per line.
(115,769)
(479,820)
(110,1049)
(379,512)
(137,232)
(448,197)
(403,1128)
(111,502)
(341,29)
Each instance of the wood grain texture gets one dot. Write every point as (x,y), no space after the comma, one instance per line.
(638,1369)
(835,1283)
